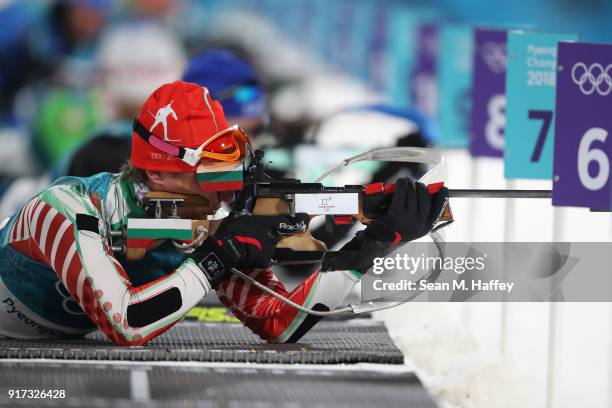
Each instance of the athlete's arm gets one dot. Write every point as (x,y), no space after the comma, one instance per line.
(248,243)
(411,215)
(63,229)
(272,319)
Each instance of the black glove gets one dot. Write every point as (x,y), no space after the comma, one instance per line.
(412,214)
(246,241)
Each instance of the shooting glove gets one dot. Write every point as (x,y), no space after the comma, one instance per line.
(246,241)
(412,214)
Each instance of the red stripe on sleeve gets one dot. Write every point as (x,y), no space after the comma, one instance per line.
(14,229)
(74,269)
(248,240)
(34,209)
(119,269)
(39,222)
(23,247)
(66,242)
(36,254)
(238,285)
(21,222)
(56,223)
(265,315)
(27,214)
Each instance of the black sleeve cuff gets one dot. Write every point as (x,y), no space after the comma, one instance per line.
(215,261)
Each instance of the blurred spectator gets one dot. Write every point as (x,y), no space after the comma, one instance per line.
(232,81)
(106,151)
(188,19)
(65,118)
(154,8)
(134,59)
(131,61)
(43,39)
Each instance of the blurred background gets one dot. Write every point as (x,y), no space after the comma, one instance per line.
(314,82)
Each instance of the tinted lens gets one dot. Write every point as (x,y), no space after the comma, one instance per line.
(229,145)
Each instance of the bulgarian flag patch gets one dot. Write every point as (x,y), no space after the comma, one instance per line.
(143,232)
(220,176)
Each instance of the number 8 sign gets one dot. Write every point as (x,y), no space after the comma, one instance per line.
(583,147)
(488,117)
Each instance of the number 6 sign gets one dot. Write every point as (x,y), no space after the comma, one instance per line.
(583,123)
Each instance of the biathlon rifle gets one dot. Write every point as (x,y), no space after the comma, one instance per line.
(263,195)
(260,195)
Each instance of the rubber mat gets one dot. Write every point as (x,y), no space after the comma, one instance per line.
(352,341)
(106,385)
(208,313)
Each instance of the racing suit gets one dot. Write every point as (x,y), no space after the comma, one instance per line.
(58,276)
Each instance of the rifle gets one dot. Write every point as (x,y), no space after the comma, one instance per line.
(263,195)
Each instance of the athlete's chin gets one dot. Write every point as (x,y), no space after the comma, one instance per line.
(226,196)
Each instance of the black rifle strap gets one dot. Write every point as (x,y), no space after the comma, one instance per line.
(331,260)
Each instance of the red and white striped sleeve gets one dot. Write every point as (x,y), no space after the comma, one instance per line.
(62,228)
(274,320)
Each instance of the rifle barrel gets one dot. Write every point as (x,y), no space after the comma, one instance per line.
(487,193)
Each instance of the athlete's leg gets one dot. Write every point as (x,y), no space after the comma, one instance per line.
(19,322)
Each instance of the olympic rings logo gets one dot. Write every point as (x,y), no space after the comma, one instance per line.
(594,78)
(68,304)
(495,57)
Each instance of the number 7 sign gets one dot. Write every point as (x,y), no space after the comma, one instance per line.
(583,123)
(530,93)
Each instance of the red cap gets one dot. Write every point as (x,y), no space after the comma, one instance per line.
(182,114)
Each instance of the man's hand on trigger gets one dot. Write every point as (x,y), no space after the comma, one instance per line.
(412,213)
(246,241)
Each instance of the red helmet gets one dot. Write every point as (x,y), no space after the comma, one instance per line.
(178,125)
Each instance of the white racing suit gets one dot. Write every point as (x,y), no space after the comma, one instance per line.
(58,276)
